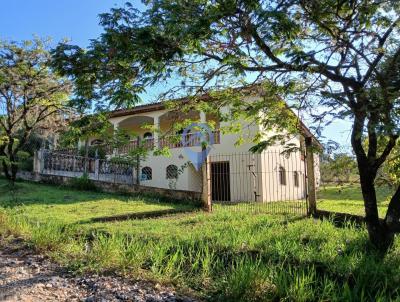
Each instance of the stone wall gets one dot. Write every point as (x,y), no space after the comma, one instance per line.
(114,187)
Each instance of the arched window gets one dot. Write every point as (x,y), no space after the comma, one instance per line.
(97,142)
(148,135)
(147,173)
(172,172)
(296,178)
(282,176)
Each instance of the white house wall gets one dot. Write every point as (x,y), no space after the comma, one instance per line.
(252,177)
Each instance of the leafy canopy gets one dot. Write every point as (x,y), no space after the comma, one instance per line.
(31,95)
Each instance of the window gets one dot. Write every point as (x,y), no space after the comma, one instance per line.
(147,173)
(172,172)
(296,178)
(282,176)
(97,142)
(148,135)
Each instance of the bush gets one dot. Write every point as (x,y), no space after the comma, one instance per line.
(26,165)
(83,183)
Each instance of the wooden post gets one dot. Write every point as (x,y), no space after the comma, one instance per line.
(311,187)
(206,190)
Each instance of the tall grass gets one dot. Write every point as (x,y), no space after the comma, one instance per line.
(224,256)
(304,261)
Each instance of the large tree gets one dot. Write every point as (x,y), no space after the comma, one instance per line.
(336,58)
(30,96)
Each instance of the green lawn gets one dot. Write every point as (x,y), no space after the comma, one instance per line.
(228,255)
(348,199)
(65,205)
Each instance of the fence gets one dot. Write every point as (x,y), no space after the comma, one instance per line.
(55,163)
(272,181)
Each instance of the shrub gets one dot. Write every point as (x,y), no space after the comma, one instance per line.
(26,165)
(83,183)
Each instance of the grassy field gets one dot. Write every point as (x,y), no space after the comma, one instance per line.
(348,199)
(65,205)
(224,256)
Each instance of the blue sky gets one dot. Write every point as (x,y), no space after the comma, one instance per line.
(74,19)
(78,20)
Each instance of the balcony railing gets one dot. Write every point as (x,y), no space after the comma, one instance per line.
(173,141)
(124,149)
(192,140)
(147,143)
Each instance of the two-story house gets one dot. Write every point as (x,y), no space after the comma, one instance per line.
(236,174)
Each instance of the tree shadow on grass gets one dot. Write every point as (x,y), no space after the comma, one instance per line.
(138,215)
(357,273)
(373,277)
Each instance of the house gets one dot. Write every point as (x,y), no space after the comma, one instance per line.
(236,174)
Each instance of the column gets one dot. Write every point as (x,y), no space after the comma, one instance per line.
(156,131)
(203,118)
(115,150)
(206,185)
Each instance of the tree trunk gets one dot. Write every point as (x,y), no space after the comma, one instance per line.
(14,171)
(10,166)
(11,170)
(392,219)
(5,169)
(378,232)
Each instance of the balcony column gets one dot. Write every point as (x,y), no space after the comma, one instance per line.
(203,118)
(115,150)
(156,131)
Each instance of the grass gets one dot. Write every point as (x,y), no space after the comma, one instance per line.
(64,205)
(348,199)
(224,256)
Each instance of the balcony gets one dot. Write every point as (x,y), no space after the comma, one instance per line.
(192,139)
(147,143)
(171,141)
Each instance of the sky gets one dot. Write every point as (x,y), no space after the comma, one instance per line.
(77,20)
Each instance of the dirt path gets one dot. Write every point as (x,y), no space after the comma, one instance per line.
(28,277)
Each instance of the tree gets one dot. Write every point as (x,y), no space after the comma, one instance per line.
(332,58)
(392,168)
(30,94)
(389,172)
(339,168)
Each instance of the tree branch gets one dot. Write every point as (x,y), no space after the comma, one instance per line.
(381,43)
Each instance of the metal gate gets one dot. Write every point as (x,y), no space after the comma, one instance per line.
(271,181)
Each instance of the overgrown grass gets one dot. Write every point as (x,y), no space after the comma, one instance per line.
(224,256)
(348,199)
